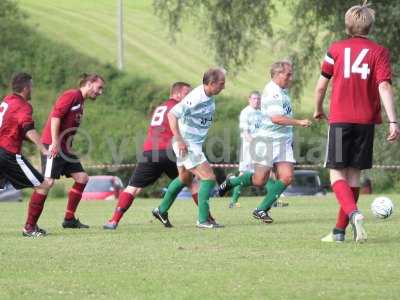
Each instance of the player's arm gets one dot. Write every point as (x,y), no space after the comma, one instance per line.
(55,135)
(27,125)
(319,95)
(386,94)
(173,123)
(285,121)
(33,136)
(244,126)
(276,113)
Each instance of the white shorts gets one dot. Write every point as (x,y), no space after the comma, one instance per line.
(268,152)
(246,162)
(192,159)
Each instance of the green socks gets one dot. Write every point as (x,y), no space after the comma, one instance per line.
(170,195)
(206,187)
(236,194)
(274,190)
(243,180)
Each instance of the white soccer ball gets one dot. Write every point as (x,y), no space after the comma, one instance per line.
(382,207)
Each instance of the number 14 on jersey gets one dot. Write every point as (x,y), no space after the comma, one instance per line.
(358,67)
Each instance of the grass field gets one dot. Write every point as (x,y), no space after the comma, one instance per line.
(245,260)
(90,27)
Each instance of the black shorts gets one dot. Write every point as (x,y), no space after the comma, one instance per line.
(152,166)
(350,146)
(63,164)
(16,169)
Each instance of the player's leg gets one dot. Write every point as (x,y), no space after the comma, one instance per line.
(345,197)
(260,177)
(194,189)
(174,188)
(284,174)
(230,182)
(35,208)
(21,174)
(125,200)
(207,184)
(235,197)
(236,190)
(74,197)
(176,185)
(145,174)
(353,178)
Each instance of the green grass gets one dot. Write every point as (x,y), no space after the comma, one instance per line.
(90,27)
(245,260)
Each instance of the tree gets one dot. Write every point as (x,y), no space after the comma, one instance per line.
(233,28)
(318,23)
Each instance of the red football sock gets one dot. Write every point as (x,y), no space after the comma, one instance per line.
(342,218)
(344,196)
(124,202)
(35,209)
(196,201)
(74,197)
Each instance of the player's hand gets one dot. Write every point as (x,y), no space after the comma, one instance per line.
(394,133)
(305,123)
(182,148)
(319,115)
(53,149)
(44,151)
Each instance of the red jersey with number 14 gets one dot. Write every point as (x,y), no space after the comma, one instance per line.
(159,134)
(357,66)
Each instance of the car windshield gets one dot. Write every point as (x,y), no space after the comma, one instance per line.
(99,185)
(304,180)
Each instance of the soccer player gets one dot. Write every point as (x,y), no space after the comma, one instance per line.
(190,121)
(361,76)
(158,156)
(57,136)
(249,121)
(271,147)
(16,124)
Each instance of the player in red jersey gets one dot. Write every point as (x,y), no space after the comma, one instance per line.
(57,136)
(361,76)
(158,157)
(16,124)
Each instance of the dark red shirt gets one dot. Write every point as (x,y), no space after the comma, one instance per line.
(159,134)
(357,66)
(69,109)
(15,121)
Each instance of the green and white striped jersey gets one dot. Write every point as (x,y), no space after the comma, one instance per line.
(275,101)
(195,113)
(249,120)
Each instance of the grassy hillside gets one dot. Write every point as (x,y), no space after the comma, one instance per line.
(90,26)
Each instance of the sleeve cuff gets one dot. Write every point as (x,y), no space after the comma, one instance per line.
(28,127)
(326,75)
(383,80)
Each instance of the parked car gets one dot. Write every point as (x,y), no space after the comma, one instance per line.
(305,182)
(9,193)
(102,187)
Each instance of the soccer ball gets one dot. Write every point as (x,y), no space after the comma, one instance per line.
(382,207)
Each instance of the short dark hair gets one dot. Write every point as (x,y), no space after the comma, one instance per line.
(178,85)
(213,75)
(89,78)
(20,81)
(257,93)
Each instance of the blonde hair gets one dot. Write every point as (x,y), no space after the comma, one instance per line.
(279,67)
(359,19)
